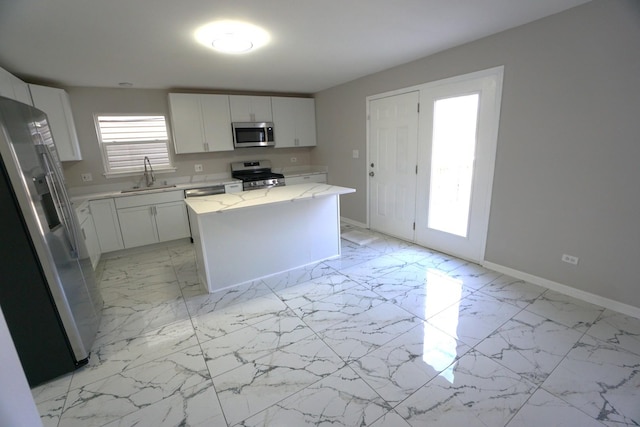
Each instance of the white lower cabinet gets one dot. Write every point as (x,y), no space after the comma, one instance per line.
(138,226)
(172,221)
(233,188)
(105,219)
(152,218)
(320,178)
(89,235)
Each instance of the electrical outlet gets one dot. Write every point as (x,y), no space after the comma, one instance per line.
(570,259)
(294,159)
(86,177)
(198,168)
(356,154)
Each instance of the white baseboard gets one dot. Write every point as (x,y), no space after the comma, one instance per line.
(627,309)
(352,222)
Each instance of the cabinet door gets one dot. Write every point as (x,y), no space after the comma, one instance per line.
(171,220)
(216,118)
(246,108)
(90,236)
(294,120)
(55,102)
(105,219)
(14,88)
(305,109)
(186,123)
(22,93)
(319,178)
(138,226)
(6,85)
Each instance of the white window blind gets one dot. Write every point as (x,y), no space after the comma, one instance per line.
(127,140)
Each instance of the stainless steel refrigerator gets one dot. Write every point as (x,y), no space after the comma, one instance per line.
(48,291)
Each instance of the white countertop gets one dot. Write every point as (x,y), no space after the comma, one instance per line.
(253,198)
(79,195)
(81,198)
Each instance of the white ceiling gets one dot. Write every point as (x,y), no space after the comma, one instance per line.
(315,44)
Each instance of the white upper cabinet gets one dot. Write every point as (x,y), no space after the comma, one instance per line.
(247,108)
(294,122)
(200,122)
(55,103)
(14,88)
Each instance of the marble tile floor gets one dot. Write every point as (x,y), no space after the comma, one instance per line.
(390,334)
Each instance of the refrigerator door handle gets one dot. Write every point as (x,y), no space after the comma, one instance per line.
(62,200)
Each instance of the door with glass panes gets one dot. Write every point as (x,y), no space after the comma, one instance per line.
(454,159)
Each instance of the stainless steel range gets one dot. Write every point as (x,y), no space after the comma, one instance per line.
(256,174)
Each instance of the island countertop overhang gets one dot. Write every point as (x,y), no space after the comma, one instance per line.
(247,199)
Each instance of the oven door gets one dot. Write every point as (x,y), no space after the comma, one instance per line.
(250,134)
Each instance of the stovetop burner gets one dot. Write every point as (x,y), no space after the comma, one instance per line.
(256,174)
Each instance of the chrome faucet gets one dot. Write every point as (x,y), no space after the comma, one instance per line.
(148,174)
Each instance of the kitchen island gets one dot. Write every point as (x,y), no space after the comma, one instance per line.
(241,237)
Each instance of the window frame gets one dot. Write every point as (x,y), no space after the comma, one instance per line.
(108,173)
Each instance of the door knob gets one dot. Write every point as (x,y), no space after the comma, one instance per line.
(371,173)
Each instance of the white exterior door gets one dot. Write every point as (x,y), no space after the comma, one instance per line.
(444,203)
(393,144)
(459,124)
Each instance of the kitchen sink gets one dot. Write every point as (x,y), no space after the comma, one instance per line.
(155,187)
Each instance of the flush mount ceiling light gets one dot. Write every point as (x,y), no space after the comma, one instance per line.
(232,36)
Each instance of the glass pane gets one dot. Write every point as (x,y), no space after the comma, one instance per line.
(453,151)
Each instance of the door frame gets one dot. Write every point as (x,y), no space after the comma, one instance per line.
(498,73)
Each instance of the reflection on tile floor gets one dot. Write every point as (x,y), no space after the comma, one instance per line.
(390,334)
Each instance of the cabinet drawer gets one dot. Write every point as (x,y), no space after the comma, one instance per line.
(319,178)
(83,212)
(233,188)
(149,199)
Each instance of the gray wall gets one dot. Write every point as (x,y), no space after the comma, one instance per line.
(567,172)
(85,102)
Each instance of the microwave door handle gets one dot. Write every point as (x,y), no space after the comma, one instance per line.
(62,200)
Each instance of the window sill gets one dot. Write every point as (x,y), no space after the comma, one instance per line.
(137,173)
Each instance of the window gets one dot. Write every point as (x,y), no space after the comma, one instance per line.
(126,140)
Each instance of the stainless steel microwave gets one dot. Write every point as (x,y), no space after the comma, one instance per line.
(253,134)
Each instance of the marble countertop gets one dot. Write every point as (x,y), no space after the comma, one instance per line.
(81,195)
(253,198)
(81,198)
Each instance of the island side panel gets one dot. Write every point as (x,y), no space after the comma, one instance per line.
(199,249)
(324,229)
(242,245)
